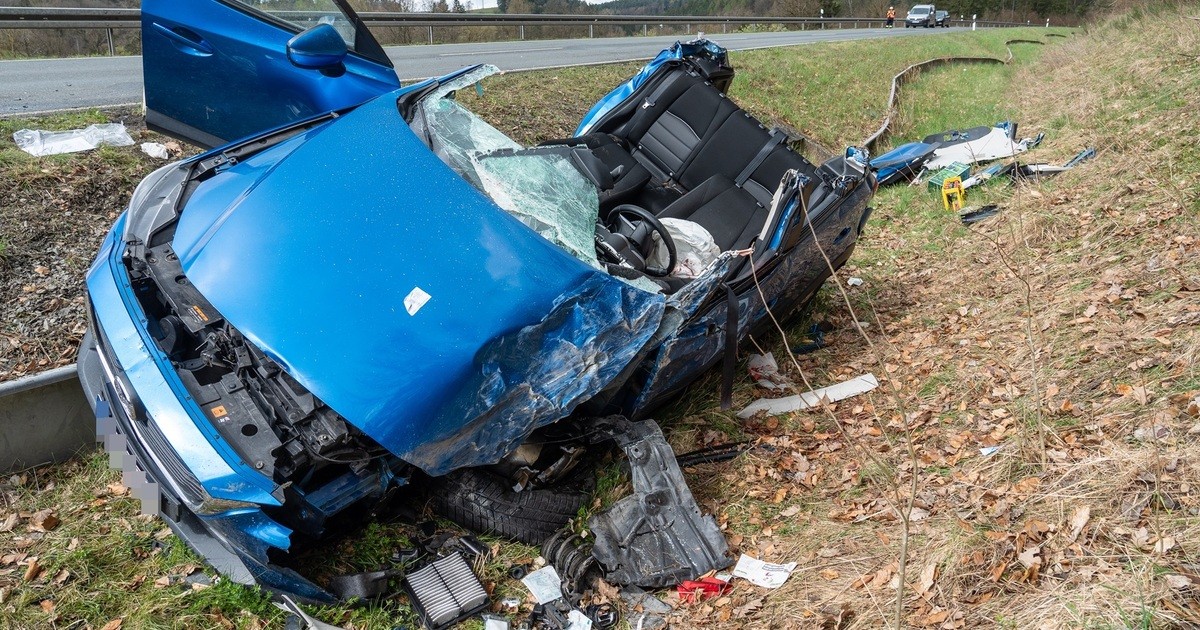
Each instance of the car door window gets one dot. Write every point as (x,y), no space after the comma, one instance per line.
(300,15)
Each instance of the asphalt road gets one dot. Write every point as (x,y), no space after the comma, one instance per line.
(38,85)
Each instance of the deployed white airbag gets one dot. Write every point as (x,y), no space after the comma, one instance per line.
(695,248)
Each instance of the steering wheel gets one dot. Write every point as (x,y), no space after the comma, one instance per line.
(640,214)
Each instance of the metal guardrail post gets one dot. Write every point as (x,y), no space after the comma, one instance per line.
(522,28)
(591,30)
(431,34)
(112,50)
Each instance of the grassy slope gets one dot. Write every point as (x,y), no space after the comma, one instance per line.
(952,314)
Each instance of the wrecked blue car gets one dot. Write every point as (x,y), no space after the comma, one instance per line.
(365,291)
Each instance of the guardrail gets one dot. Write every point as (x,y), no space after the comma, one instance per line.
(109,19)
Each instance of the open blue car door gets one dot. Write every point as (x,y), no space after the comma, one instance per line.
(219,70)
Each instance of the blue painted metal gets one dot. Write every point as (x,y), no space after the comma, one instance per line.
(193,50)
(157,387)
(622,92)
(317,48)
(890,166)
(311,248)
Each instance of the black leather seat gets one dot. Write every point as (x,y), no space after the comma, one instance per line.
(731,214)
(708,161)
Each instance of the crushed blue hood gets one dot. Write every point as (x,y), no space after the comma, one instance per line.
(402,297)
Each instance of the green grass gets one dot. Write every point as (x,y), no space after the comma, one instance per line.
(833,92)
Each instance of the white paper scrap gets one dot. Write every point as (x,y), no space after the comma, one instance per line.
(492,622)
(545,584)
(762,573)
(833,393)
(415,300)
(578,621)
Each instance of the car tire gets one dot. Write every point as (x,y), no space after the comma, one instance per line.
(484,502)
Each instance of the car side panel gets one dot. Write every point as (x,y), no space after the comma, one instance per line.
(214,73)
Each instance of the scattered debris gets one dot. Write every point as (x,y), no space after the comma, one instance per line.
(362,586)
(854,282)
(494,622)
(545,584)
(833,393)
(948,173)
(646,611)
(817,334)
(155,150)
(979,144)
(445,592)
(564,552)
(972,214)
(657,536)
(713,454)
(902,163)
(1039,171)
(706,587)
(40,143)
(953,194)
(764,574)
(983,176)
(765,372)
(300,620)
(988,451)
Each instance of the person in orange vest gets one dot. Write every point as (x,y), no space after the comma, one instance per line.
(891,17)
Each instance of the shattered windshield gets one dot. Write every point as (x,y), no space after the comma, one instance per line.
(541,188)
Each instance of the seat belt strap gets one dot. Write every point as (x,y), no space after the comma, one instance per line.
(772,142)
(652,100)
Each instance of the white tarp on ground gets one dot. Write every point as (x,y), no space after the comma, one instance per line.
(995,145)
(39,143)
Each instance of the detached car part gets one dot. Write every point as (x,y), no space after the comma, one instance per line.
(656,537)
(445,592)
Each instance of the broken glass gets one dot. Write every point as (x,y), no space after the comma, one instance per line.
(541,188)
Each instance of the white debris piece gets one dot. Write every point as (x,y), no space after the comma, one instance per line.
(761,573)
(37,142)
(492,622)
(995,145)
(578,621)
(854,282)
(765,371)
(833,393)
(155,150)
(545,584)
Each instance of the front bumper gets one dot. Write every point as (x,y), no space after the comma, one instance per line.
(187,487)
